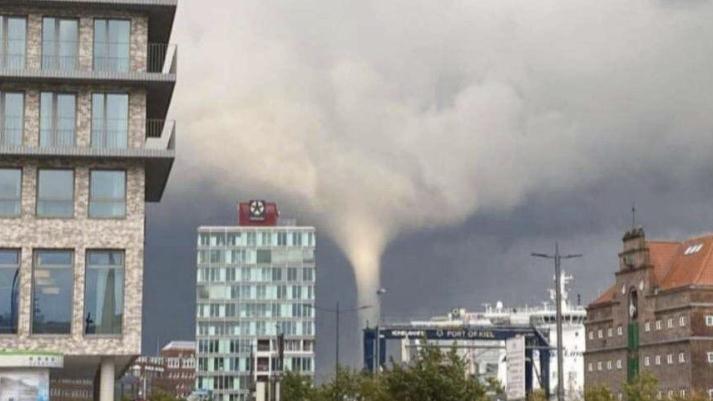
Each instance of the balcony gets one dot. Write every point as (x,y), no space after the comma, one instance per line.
(157,153)
(154,69)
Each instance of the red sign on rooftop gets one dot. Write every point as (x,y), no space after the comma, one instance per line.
(258,213)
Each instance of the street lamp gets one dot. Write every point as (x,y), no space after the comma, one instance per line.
(379,293)
(558,299)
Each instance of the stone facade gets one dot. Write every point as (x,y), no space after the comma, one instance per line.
(29,233)
(647,323)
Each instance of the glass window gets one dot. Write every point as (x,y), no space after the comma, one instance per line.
(107,194)
(13,34)
(111,45)
(9,290)
(110,120)
(10,192)
(104,292)
(55,193)
(58,119)
(52,282)
(60,43)
(12,118)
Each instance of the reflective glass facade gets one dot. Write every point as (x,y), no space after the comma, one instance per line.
(253,284)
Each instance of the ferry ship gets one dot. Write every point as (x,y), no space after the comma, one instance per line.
(487,360)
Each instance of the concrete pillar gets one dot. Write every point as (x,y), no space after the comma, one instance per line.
(106,380)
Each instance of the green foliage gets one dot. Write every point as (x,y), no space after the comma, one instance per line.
(643,388)
(160,395)
(598,393)
(434,376)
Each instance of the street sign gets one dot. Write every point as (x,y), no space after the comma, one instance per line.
(515,353)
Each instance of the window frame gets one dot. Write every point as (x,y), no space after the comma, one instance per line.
(126,195)
(35,255)
(37,193)
(105,120)
(57,20)
(4,43)
(18,283)
(123,294)
(3,117)
(19,200)
(94,42)
(55,118)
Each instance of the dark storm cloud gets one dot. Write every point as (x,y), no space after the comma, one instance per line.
(470,133)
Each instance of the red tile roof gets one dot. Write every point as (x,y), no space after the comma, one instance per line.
(676,264)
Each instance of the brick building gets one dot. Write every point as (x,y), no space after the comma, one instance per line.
(173,372)
(657,317)
(85,86)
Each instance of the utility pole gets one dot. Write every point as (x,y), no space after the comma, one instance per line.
(377,347)
(337,313)
(558,299)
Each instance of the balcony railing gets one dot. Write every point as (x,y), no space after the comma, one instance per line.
(107,135)
(64,57)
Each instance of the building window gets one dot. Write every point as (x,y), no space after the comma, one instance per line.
(12,118)
(13,36)
(107,194)
(647,326)
(681,357)
(10,192)
(104,292)
(669,323)
(599,365)
(610,332)
(682,321)
(682,393)
(9,290)
(709,320)
(658,359)
(52,283)
(110,120)
(619,331)
(609,365)
(669,359)
(111,45)
(55,193)
(618,364)
(591,334)
(600,333)
(647,361)
(710,357)
(58,121)
(60,43)
(710,393)
(658,325)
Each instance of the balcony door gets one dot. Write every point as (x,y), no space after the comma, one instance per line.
(110,120)
(111,45)
(60,44)
(13,42)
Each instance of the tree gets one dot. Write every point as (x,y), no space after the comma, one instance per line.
(598,393)
(643,388)
(297,387)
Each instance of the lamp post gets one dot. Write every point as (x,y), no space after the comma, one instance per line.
(337,313)
(558,299)
(379,293)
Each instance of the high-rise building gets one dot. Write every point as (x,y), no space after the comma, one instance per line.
(657,317)
(255,286)
(85,86)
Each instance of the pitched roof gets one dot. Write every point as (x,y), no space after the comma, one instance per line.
(676,264)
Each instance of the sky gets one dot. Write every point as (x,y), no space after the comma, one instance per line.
(435,145)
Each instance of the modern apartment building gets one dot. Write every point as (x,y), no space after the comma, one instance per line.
(656,317)
(256,285)
(85,86)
